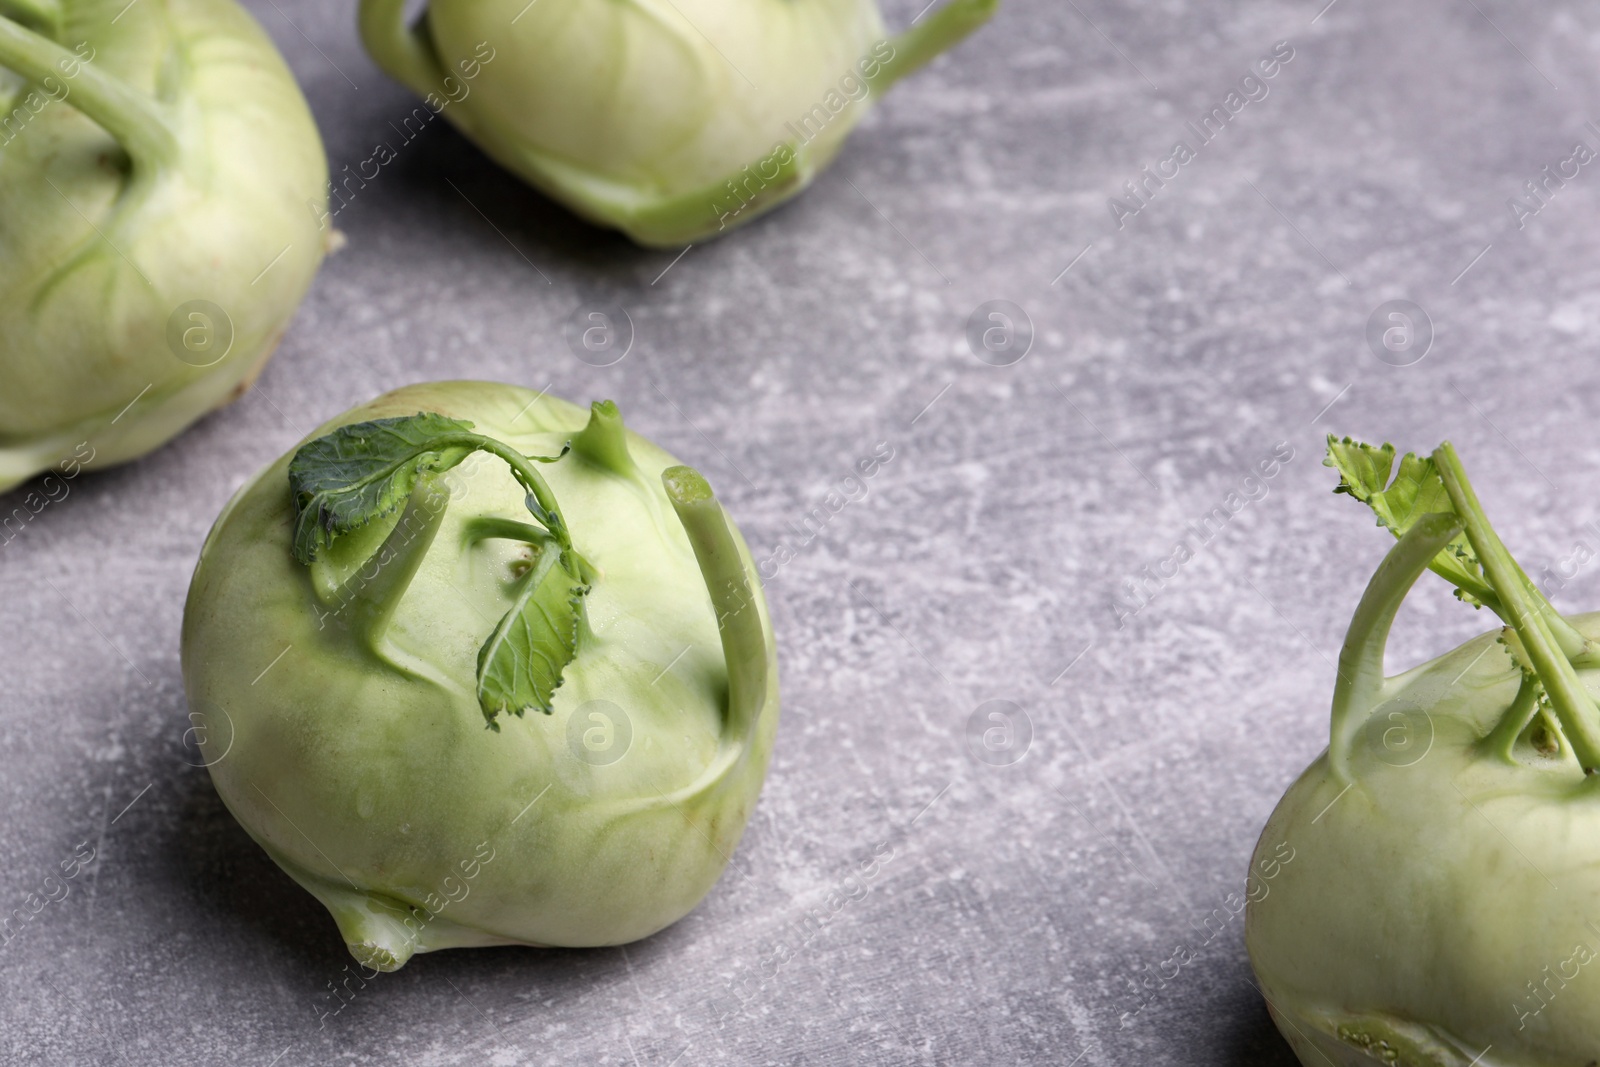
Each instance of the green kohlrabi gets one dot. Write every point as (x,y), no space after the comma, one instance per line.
(156,161)
(671,120)
(1443,907)
(372,616)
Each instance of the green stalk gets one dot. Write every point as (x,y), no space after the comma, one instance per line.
(604,441)
(136,121)
(1516,719)
(547,511)
(924,42)
(744,194)
(1479,591)
(1359,688)
(483,528)
(373,602)
(733,591)
(1573,644)
(406,53)
(1580,719)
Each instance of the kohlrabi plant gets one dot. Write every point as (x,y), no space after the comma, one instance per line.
(476,667)
(160,177)
(670,120)
(1443,906)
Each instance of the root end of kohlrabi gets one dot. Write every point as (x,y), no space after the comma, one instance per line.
(377,957)
(1361,1040)
(374,930)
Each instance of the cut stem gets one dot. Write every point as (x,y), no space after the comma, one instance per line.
(1579,718)
(604,440)
(733,594)
(134,119)
(1359,688)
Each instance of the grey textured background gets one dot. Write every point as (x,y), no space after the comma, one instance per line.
(1023,902)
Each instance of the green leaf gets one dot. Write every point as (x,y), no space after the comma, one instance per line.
(358,473)
(520,666)
(355,474)
(1416,490)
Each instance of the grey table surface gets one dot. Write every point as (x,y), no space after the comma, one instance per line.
(1023,903)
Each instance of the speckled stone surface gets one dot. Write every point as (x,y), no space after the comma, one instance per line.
(1227,317)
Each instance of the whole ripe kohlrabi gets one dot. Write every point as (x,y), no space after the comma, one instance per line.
(372,615)
(1443,906)
(670,120)
(156,162)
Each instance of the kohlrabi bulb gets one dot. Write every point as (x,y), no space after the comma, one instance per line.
(1427,893)
(160,177)
(477,667)
(670,121)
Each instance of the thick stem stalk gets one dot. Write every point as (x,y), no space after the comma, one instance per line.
(1515,720)
(374,597)
(604,441)
(134,119)
(1580,719)
(1360,685)
(934,34)
(733,594)
(1573,644)
(405,52)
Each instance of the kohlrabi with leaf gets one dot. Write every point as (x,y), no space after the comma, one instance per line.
(160,184)
(670,120)
(478,667)
(1443,908)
